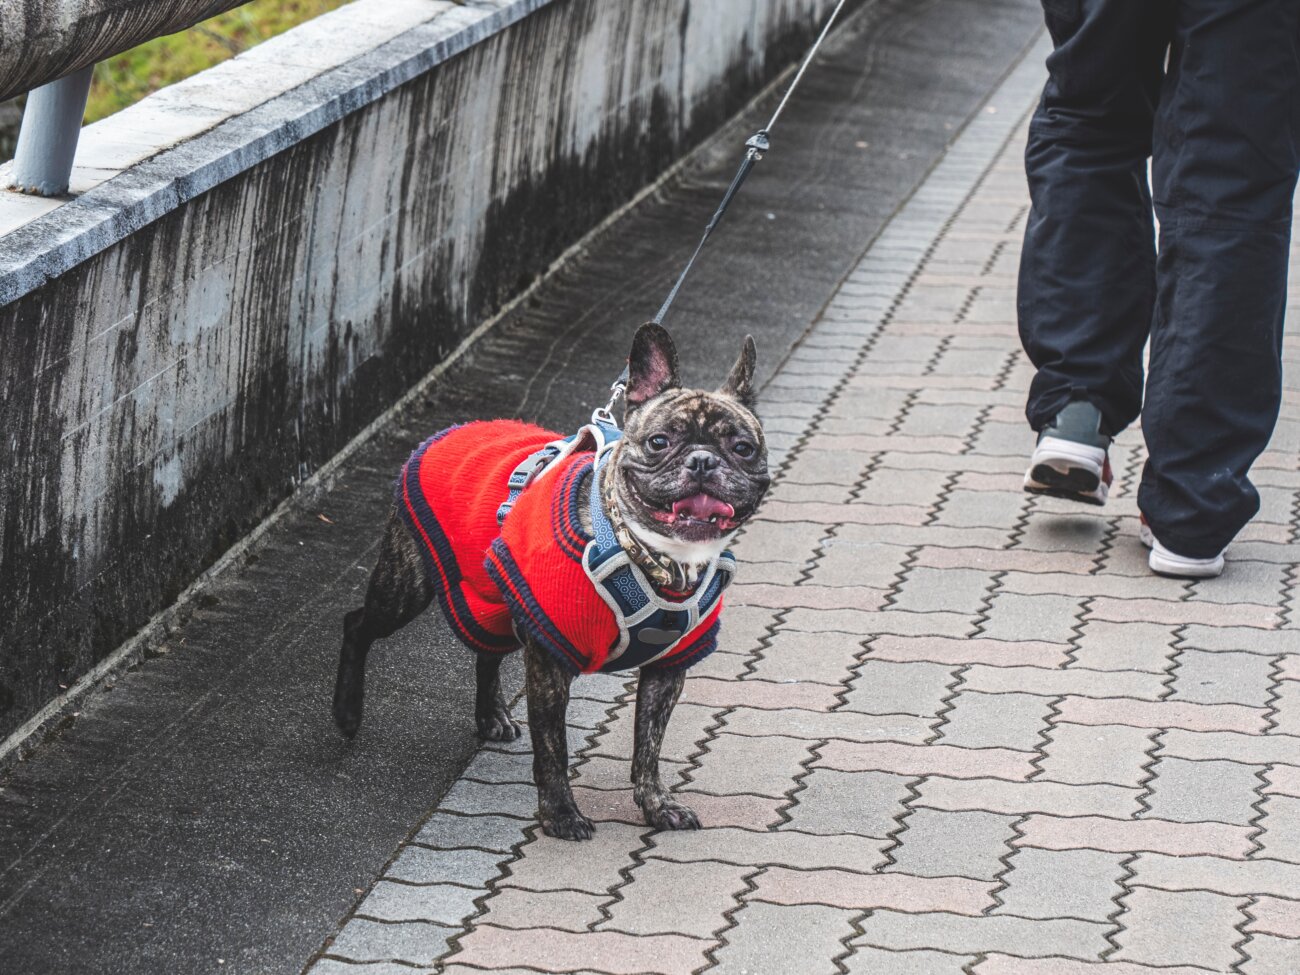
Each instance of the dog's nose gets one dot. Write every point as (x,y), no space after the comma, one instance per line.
(701,461)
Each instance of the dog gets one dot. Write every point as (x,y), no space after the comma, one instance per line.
(604,552)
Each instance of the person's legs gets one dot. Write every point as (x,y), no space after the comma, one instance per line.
(1224,173)
(1087,272)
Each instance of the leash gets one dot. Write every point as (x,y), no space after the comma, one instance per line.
(755,147)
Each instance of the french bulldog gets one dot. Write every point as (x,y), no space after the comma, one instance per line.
(654,509)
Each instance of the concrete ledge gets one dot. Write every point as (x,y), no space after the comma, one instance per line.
(259,261)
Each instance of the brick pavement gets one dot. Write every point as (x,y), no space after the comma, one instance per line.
(950,728)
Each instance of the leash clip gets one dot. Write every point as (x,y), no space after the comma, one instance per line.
(758,144)
(604,416)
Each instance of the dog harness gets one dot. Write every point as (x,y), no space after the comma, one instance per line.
(494,508)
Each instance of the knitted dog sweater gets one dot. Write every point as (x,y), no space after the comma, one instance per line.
(528,573)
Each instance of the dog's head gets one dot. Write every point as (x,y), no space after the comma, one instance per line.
(692,465)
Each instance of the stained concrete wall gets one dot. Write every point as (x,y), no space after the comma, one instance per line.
(197,333)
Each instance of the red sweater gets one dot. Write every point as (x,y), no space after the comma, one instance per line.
(529,570)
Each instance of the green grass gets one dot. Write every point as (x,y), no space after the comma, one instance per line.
(125,79)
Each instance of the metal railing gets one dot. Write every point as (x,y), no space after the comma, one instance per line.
(49,48)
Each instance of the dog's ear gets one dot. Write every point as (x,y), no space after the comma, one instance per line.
(740,384)
(652,366)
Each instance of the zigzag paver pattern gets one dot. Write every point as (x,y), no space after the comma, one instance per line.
(950,728)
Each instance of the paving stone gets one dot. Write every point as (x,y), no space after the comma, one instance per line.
(1161,714)
(1269,955)
(972,935)
(1251,749)
(981,509)
(853,563)
(420,865)
(652,903)
(760,694)
(601,772)
(723,666)
(994,559)
(866,623)
(1252,582)
(1062,883)
(444,831)
(952,844)
(826,658)
(866,960)
(568,910)
(863,803)
(552,864)
(332,966)
(740,763)
(948,590)
(1130,835)
(445,904)
(882,687)
(847,725)
(784,848)
(685,731)
(824,467)
(1012,616)
(1105,645)
(1232,877)
(859,891)
(611,952)
(781,938)
(417,943)
(995,721)
(1195,792)
(947,760)
(1053,682)
(995,964)
(1273,915)
(1046,533)
(1222,677)
(891,486)
(1281,824)
(491,766)
(1247,640)
(945,650)
(777,541)
(1187,928)
(1283,780)
(1084,754)
(1286,719)
(998,795)
(1103,584)
(1165,611)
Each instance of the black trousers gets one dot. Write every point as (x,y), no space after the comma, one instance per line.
(1221,125)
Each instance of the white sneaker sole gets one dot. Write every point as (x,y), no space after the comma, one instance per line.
(1065,469)
(1166,563)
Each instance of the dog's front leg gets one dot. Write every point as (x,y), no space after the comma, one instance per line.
(548,705)
(656,696)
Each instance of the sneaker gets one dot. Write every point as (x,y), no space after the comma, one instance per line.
(1166,563)
(1070,460)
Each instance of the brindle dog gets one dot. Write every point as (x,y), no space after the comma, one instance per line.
(690,470)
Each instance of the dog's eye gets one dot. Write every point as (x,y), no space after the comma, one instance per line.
(658,442)
(744,448)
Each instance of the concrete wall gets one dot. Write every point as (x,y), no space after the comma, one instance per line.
(203,327)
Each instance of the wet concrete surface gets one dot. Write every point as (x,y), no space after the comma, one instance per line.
(204,816)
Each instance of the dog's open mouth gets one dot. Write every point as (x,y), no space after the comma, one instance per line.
(698,510)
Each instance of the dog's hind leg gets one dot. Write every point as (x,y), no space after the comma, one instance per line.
(491,713)
(548,705)
(399,591)
(656,696)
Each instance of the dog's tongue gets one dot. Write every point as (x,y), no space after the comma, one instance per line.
(702,507)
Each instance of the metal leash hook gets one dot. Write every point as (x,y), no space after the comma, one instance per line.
(605,414)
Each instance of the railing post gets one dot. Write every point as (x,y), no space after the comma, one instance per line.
(47,140)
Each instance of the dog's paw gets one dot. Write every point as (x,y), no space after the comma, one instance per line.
(571,825)
(498,727)
(671,815)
